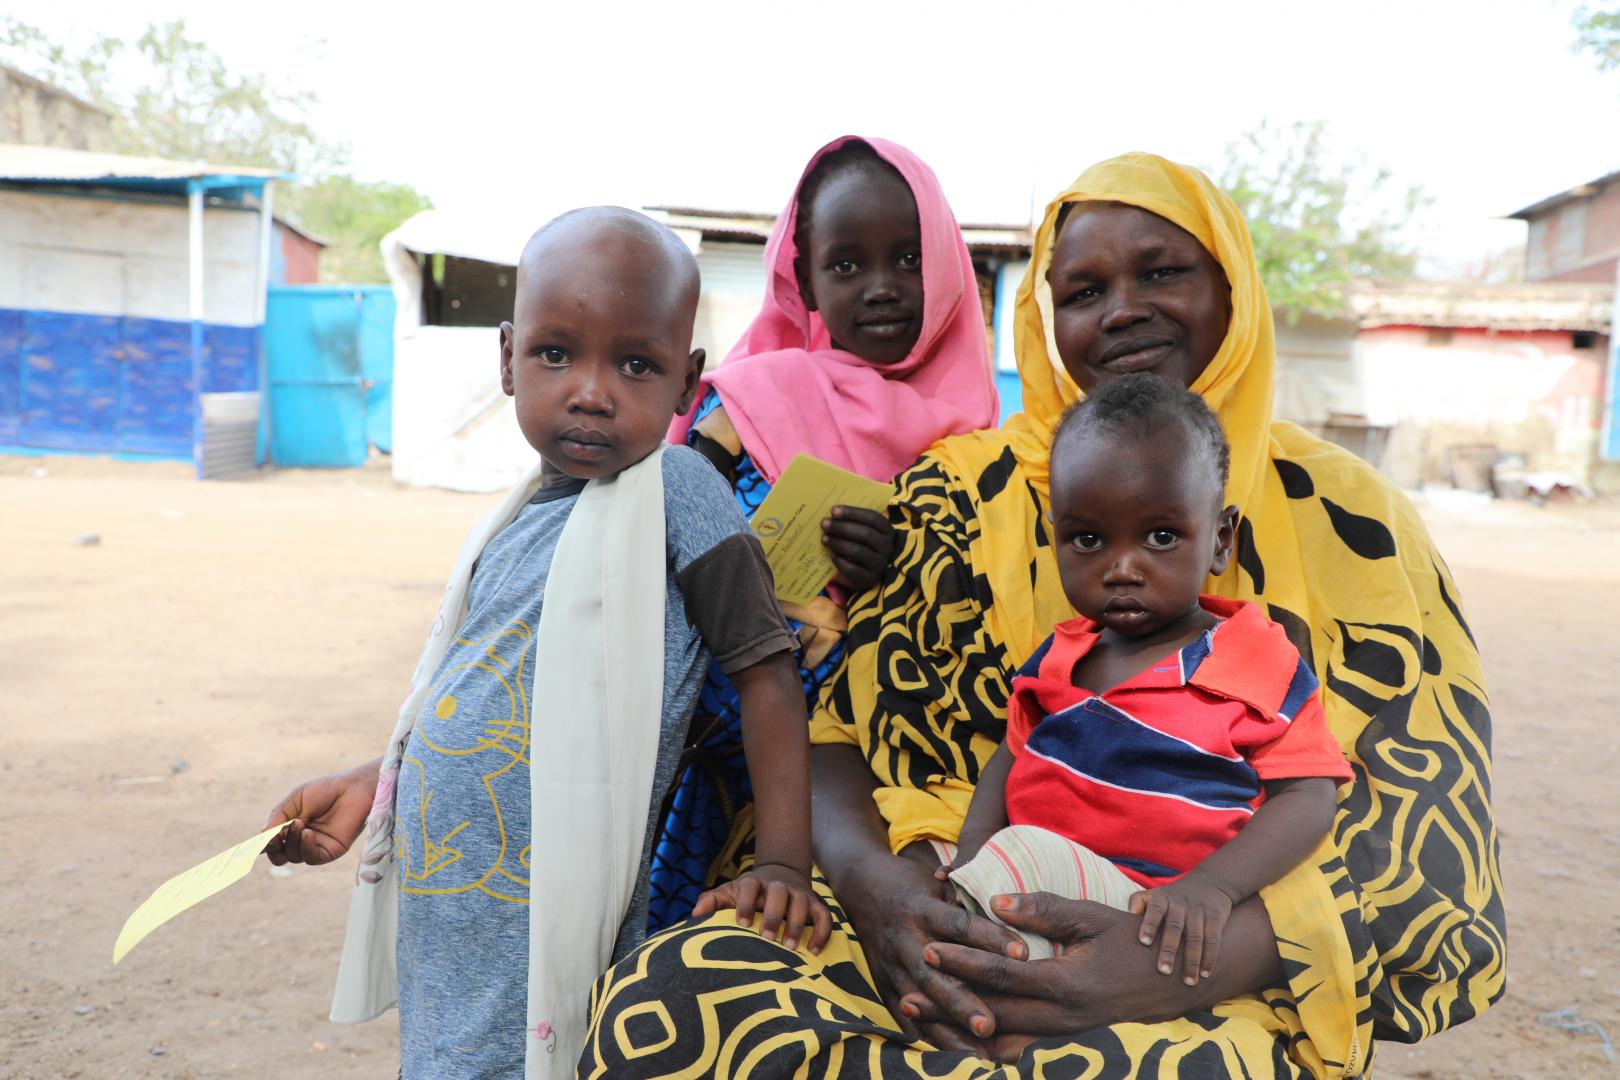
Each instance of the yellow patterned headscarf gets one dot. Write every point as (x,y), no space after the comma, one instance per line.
(1237,384)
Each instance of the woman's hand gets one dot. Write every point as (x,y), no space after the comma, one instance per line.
(327,815)
(898,909)
(860,543)
(1101,976)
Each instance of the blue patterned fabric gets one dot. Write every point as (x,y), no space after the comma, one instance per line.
(713,782)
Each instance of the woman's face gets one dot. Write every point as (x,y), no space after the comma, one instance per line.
(1134,292)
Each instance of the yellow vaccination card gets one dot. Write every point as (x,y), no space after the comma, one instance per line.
(788,522)
(189,888)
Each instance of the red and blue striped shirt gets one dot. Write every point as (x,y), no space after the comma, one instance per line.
(1166,767)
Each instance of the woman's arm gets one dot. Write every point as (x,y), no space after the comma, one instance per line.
(893,901)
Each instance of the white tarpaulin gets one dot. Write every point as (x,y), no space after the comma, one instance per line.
(453,427)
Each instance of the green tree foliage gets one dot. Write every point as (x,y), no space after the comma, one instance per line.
(1317,225)
(353,216)
(1597,30)
(172,96)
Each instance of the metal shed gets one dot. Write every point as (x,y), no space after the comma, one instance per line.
(132,296)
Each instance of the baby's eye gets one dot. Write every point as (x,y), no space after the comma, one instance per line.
(1087,541)
(845,267)
(553,356)
(911,260)
(635,365)
(1162,538)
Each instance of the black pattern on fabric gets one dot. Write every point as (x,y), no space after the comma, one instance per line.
(1248,558)
(1296,481)
(1411,873)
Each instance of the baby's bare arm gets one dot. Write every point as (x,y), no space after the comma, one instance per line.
(1193,909)
(1293,819)
(987,813)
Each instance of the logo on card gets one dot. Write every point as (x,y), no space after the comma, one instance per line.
(768,528)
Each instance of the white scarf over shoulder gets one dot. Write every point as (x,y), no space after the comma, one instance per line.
(596,709)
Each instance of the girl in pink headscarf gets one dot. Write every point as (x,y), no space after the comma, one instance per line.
(869,347)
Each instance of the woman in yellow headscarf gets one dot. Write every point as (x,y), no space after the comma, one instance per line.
(1393,929)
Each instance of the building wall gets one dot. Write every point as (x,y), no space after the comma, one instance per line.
(113,256)
(1602,272)
(38,114)
(1525,392)
(733,289)
(1003,355)
(1577,241)
(95,331)
(1317,372)
(300,258)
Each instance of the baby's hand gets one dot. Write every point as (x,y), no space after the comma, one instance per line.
(860,543)
(782,896)
(1192,910)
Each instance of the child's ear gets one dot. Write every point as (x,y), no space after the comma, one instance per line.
(694,373)
(803,279)
(506,358)
(1225,536)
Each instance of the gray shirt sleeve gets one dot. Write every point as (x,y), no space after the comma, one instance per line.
(719,566)
(731,597)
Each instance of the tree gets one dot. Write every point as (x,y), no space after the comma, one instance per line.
(172,96)
(1597,29)
(1317,226)
(353,216)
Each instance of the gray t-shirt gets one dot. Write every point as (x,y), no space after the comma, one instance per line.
(463,796)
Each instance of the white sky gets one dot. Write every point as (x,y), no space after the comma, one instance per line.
(538,105)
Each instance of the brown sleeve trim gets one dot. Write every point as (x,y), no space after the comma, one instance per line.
(731,598)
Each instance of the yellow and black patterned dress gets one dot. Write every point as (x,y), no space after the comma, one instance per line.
(1393,930)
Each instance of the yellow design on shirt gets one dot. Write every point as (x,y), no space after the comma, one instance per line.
(501,737)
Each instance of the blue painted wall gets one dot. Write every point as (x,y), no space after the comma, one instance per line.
(111,384)
(1610,448)
(1011,392)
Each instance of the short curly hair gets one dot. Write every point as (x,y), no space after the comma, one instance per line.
(1143,403)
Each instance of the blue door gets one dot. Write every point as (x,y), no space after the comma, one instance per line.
(329,350)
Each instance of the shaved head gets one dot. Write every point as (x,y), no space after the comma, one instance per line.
(637,245)
(598,354)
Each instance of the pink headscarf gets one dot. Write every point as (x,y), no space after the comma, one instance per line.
(788,391)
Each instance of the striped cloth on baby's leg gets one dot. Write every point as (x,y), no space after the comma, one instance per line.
(1026,858)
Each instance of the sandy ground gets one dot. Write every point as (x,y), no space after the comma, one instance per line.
(160,689)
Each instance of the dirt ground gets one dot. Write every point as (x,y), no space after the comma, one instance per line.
(161,688)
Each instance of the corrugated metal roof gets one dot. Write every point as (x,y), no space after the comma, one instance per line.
(1553,202)
(750,225)
(297,229)
(1527,306)
(52,164)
